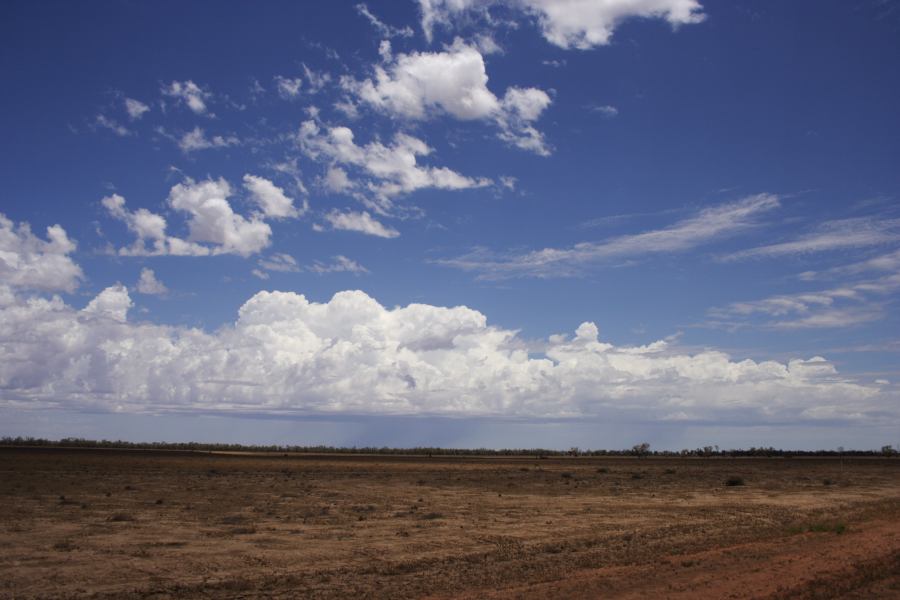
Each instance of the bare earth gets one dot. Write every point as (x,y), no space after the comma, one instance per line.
(134,524)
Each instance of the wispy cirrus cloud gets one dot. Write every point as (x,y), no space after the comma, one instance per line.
(857,232)
(707,225)
(883,262)
(841,306)
(383,29)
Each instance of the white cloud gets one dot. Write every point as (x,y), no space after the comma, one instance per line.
(709,224)
(454,82)
(607,110)
(189,93)
(860,232)
(336,180)
(883,262)
(271,199)
(288,88)
(112,303)
(578,24)
(361,222)
(112,125)
(383,29)
(421,84)
(212,219)
(340,264)
(150,228)
(287,355)
(843,306)
(29,262)
(196,140)
(135,108)
(316,80)
(214,226)
(509,182)
(284,263)
(390,170)
(150,285)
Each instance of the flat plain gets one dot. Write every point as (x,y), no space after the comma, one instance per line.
(163,524)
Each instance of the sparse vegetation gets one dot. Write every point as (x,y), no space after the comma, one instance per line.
(820,527)
(642,449)
(322,519)
(121,517)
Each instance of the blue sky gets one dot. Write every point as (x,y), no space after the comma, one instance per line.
(503,223)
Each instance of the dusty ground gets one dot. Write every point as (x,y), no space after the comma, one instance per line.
(126,524)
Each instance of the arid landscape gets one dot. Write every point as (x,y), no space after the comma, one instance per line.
(156,524)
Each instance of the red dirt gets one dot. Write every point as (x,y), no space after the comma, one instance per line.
(116,524)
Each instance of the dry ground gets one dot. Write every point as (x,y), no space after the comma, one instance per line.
(134,524)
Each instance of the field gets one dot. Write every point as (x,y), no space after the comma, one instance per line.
(156,524)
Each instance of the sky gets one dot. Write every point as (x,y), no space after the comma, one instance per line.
(460,223)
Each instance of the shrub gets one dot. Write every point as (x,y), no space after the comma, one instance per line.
(121,518)
(734,480)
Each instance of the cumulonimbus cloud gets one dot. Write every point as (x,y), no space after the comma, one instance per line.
(350,355)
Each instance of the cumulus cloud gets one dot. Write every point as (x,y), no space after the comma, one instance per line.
(196,140)
(361,222)
(188,93)
(135,108)
(271,199)
(707,225)
(454,82)
(213,225)
(580,24)
(287,355)
(28,262)
(112,303)
(148,284)
(388,170)
(212,220)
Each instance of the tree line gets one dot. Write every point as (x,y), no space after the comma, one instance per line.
(639,450)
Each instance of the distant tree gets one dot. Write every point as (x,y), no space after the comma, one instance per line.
(640,450)
(888,450)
